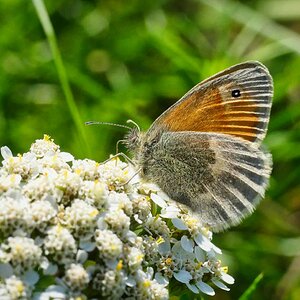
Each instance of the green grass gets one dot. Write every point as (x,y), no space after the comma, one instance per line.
(247,295)
(112,61)
(61,71)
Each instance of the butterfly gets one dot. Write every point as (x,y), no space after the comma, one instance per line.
(205,150)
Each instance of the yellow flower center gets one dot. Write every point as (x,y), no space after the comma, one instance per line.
(119,265)
(20,287)
(225,269)
(47,138)
(147,283)
(78,171)
(94,213)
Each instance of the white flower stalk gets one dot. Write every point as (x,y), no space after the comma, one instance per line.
(86,231)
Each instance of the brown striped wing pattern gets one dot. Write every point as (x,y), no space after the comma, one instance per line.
(236,101)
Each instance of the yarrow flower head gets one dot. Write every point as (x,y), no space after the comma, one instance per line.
(79,228)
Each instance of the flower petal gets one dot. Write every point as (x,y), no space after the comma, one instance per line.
(6,152)
(169,212)
(216,249)
(187,244)
(227,278)
(130,281)
(31,277)
(51,269)
(67,157)
(81,256)
(179,224)
(200,254)
(6,270)
(158,200)
(183,276)
(220,284)
(193,288)
(87,245)
(164,247)
(204,243)
(53,292)
(205,288)
(161,279)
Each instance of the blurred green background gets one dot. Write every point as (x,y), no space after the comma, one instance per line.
(133,59)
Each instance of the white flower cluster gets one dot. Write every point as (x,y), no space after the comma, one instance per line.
(77,229)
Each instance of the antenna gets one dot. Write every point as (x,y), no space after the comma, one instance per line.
(107,123)
(135,124)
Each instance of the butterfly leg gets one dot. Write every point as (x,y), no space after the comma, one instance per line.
(117,155)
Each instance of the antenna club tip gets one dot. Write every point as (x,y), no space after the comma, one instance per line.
(135,124)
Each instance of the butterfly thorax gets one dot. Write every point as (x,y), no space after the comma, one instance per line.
(147,154)
(142,145)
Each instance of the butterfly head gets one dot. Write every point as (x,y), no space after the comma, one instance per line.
(134,138)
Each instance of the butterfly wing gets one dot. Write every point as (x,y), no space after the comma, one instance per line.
(236,101)
(218,176)
(204,151)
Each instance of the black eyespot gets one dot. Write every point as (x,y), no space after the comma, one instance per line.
(236,93)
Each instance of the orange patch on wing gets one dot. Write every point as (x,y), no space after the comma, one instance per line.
(206,110)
